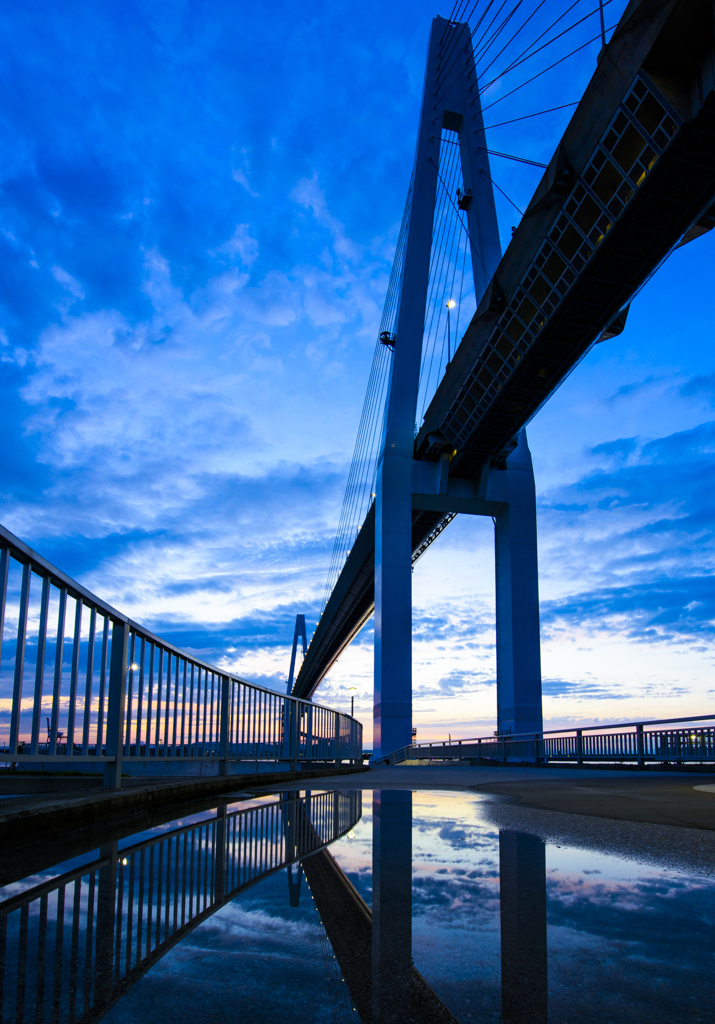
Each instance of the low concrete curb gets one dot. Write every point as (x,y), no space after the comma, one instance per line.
(47,821)
(25,784)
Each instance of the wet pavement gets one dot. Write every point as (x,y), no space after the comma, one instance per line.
(423,900)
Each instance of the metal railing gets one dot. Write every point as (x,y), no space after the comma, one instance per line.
(629,741)
(70,947)
(98,687)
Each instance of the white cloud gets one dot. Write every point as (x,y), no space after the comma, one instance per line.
(241,244)
(239,176)
(308,193)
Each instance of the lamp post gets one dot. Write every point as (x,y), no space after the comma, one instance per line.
(450,306)
(352,690)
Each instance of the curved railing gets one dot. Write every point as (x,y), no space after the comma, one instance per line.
(631,741)
(72,946)
(87,684)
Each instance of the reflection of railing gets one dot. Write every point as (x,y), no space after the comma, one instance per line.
(70,947)
(632,741)
(120,693)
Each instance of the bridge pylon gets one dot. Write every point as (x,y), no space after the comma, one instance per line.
(450,101)
(299,633)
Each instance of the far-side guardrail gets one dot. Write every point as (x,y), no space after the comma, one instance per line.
(630,741)
(100,688)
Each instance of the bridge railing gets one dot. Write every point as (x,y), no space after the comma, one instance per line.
(630,741)
(71,946)
(82,683)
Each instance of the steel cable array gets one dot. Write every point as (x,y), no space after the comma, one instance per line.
(361,477)
(450,265)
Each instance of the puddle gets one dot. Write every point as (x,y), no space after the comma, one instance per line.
(329,907)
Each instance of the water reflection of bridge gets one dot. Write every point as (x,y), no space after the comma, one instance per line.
(72,946)
(374,947)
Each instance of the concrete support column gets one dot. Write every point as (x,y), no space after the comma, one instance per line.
(517,594)
(392,712)
(393,502)
(391,907)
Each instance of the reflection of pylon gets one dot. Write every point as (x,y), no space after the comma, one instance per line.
(299,632)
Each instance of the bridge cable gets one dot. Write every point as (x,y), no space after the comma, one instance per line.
(444,269)
(549,68)
(518,210)
(525,117)
(525,55)
(511,40)
(361,474)
(443,249)
(485,47)
(482,45)
(472,35)
(454,44)
(441,219)
(466,229)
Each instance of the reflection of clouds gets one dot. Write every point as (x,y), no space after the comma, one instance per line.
(628,925)
(256,959)
(641,943)
(258,925)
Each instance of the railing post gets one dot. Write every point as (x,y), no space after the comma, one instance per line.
(106,924)
(220,853)
(639,742)
(115,705)
(579,746)
(479,750)
(223,727)
(294,726)
(338,751)
(19,660)
(40,666)
(336,814)
(309,734)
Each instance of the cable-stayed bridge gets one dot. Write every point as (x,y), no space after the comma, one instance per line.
(632,178)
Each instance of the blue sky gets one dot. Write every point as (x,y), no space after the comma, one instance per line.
(198,210)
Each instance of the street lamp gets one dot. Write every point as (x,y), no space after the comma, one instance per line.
(352,690)
(450,305)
